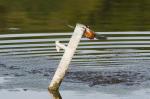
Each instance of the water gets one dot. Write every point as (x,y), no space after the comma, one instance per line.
(120,63)
(114,68)
(102,15)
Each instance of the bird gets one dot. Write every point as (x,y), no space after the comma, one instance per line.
(88,33)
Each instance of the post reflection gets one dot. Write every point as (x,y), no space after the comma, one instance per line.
(55,94)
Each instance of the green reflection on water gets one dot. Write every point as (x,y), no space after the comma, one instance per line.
(54,15)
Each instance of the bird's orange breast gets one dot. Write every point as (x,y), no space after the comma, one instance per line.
(89,34)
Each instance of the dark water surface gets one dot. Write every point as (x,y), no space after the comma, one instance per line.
(120,63)
(54,15)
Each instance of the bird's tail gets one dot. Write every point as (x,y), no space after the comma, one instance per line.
(100,37)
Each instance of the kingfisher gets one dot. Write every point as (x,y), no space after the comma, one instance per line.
(88,33)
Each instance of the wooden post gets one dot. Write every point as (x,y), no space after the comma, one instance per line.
(67,57)
(55,94)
